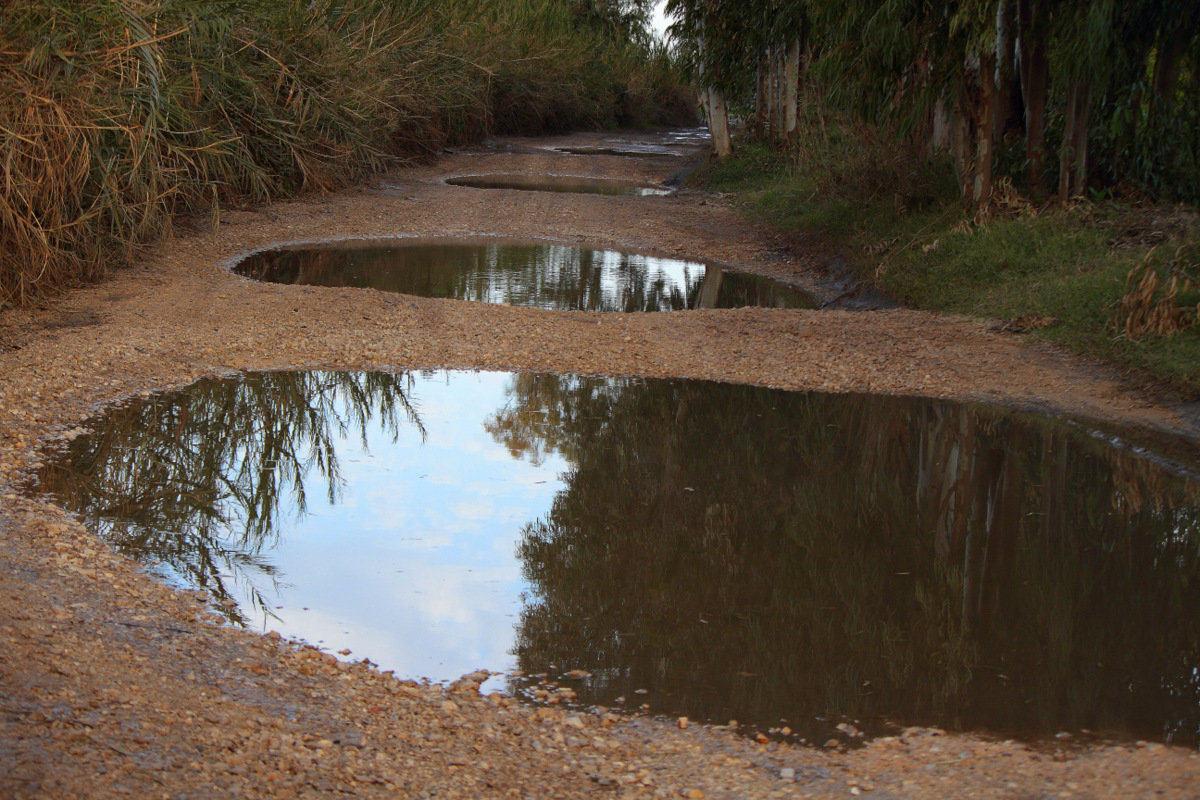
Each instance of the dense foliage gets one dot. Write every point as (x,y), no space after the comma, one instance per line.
(115,115)
(941,148)
(1062,95)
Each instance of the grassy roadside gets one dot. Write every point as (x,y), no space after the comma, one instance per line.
(895,219)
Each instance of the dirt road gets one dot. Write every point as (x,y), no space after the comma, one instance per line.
(113,685)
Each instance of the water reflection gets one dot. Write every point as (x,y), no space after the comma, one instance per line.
(367,511)
(570,184)
(627,151)
(539,275)
(199,481)
(750,554)
(736,552)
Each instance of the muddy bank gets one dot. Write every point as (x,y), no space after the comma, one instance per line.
(114,684)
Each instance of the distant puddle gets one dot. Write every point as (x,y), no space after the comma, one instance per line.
(627,152)
(538,275)
(560,183)
(716,551)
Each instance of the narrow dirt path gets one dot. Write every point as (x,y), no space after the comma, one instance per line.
(113,685)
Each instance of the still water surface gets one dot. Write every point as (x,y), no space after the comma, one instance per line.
(626,151)
(539,275)
(730,551)
(569,184)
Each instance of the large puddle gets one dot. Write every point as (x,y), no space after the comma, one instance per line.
(788,560)
(539,274)
(572,184)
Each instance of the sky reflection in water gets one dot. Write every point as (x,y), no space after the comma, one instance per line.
(407,558)
(736,552)
(415,566)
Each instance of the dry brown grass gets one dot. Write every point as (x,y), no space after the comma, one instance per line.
(1160,300)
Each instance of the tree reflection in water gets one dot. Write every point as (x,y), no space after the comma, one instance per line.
(197,481)
(539,275)
(738,552)
(754,554)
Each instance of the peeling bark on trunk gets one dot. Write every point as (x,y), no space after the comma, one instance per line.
(973,146)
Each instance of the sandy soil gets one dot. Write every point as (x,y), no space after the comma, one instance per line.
(113,685)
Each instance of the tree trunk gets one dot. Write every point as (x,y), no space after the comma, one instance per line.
(973,149)
(986,113)
(1035,78)
(762,97)
(1072,169)
(710,288)
(718,123)
(776,104)
(715,112)
(1079,182)
(1005,85)
(791,94)
(963,135)
(942,134)
(1170,48)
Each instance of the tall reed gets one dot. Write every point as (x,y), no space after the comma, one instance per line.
(117,114)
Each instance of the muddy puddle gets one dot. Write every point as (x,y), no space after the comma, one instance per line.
(571,184)
(665,144)
(625,152)
(533,274)
(812,565)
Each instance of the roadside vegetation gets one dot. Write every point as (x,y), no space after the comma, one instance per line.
(1075,274)
(1035,161)
(116,116)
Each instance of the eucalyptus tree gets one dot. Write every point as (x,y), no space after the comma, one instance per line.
(1033,70)
(971,73)
(1085,40)
(783,31)
(901,63)
(972,38)
(738,49)
(708,47)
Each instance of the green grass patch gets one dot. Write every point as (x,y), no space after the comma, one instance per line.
(897,222)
